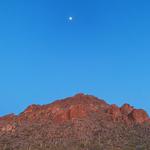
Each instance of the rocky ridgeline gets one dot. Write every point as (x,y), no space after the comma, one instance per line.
(75,107)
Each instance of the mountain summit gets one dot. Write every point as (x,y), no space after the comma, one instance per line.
(78,122)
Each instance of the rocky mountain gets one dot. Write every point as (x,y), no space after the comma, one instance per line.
(81,122)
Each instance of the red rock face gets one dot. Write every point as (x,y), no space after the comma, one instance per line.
(114,111)
(139,116)
(126,109)
(72,112)
(76,107)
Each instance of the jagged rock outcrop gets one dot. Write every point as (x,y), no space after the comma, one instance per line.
(126,109)
(81,121)
(114,111)
(139,116)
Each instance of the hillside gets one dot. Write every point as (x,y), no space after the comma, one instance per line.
(81,122)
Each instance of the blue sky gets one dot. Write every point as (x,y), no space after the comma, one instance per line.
(104,51)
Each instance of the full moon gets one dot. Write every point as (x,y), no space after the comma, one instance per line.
(70,18)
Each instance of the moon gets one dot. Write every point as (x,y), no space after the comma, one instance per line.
(70,18)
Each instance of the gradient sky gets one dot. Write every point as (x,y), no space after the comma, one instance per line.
(104,51)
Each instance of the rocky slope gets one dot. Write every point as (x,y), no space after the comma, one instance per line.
(81,122)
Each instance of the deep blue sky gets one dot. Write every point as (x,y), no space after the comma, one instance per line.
(104,51)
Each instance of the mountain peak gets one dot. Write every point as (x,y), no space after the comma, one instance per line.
(79,95)
(79,106)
